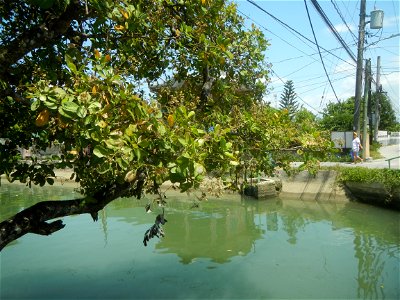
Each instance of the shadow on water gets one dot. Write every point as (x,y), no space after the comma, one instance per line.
(230,247)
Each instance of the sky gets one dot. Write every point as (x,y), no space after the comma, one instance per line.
(295,58)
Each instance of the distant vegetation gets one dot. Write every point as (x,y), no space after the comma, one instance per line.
(339,116)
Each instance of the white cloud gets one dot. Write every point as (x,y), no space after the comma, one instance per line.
(343,28)
(390,22)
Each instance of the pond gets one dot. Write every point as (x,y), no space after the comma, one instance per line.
(225,248)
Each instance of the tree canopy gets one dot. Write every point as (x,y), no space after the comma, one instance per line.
(339,116)
(139,93)
(387,114)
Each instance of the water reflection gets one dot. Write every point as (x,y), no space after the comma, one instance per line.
(218,232)
(17,196)
(341,250)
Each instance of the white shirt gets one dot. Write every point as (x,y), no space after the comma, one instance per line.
(356,144)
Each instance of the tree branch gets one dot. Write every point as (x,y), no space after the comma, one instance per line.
(34,219)
(37,37)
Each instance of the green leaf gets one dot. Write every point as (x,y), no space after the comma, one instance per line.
(182,141)
(70,64)
(101,151)
(230,155)
(94,107)
(70,106)
(191,114)
(67,114)
(122,163)
(102,124)
(35,105)
(59,92)
(200,142)
(51,102)
(82,112)
(138,153)
(230,55)
(161,129)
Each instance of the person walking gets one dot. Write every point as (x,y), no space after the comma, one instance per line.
(356,148)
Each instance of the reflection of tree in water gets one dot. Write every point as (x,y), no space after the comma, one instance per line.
(272,221)
(16,197)
(103,216)
(218,234)
(293,221)
(371,263)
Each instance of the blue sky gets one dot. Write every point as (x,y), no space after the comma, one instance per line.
(294,58)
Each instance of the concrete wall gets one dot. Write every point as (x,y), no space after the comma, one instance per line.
(322,187)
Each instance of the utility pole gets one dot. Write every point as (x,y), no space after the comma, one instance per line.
(360,49)
(377,96)
(365,139)
(375,23)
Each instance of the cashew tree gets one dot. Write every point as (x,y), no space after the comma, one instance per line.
(138,93)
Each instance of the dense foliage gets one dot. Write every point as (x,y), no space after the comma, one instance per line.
(143,92)
(388,178)
(387,115)
(339,116)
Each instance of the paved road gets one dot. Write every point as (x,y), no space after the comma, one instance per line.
(386,151)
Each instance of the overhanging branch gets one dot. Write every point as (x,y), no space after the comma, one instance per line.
(37,37)
(34,219)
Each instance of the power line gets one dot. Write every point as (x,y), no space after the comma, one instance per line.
(297,95)
(294,30)
(306,55)
(344,21)
(333,30)
(354,39)
(382,39)
(266,29)
(316,42)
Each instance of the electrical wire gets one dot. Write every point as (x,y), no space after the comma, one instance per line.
(395,12)
(332,28)
(301,99)
(266,29)
(382,39)
(316,42)
(346,6)
(354,39)
(290,44)
(344,21)
(292,29)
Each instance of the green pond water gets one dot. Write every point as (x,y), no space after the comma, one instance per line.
(225,248)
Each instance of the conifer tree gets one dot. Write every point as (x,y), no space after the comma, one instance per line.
(288,98)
